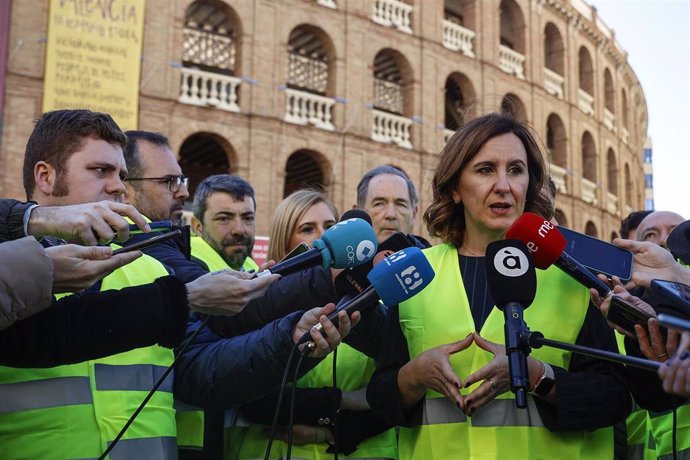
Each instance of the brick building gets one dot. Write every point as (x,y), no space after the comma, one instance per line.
(294,92)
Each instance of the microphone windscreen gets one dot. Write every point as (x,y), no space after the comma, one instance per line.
(678,242)
(350,243)
(544,242)
(510,273)
(401,275)
(356,214)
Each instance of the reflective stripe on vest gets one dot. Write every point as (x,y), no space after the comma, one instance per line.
(164,447)
(559,311)
(499,412)
(79,408)
(134,377)
(41,394)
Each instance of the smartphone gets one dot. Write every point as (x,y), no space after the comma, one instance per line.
(353,281)
(625,315)
(675,298)
(157,226)
(148,242)
(674,322)
(597,255)
(297,250)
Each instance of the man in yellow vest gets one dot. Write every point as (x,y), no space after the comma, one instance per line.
(76,411)
(215,372)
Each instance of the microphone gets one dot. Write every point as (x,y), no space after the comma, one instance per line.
(395,279)
(346,244)
(356,213)
(546,245)
(678,242)
(512,282)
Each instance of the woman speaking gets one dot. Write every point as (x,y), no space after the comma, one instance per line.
(444,375)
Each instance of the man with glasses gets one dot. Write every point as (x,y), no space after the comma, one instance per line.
(155,183)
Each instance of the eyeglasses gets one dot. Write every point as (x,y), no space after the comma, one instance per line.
(175,183)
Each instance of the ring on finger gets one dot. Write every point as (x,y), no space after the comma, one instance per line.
(492,384)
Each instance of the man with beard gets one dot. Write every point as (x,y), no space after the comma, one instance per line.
(224,217)
(155,184)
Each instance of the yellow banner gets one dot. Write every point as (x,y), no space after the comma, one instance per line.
(93,57)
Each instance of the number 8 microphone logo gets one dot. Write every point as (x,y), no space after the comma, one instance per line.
(511,261)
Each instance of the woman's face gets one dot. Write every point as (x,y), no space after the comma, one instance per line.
(311,225)
(493,186)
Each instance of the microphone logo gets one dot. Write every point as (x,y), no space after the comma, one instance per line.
(393,258)
(365,250)
(511,261)
(410,279)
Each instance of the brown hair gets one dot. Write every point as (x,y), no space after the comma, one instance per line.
(446,219)
(59,134)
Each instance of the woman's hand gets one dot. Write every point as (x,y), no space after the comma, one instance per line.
(432,369)
(495,376)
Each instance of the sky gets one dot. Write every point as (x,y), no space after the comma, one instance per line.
(656,35)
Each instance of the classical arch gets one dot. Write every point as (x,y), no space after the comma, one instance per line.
(460,100)
(591,229)
(306,169)
(204,154)
(554,49)
(511,104)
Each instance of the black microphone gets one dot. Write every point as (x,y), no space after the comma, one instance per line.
(397,278)
(356,213)
(513,284)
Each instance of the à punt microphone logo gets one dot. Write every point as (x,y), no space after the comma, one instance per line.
(511,261)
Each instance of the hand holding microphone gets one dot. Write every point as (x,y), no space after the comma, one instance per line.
(347,244)
(396,278)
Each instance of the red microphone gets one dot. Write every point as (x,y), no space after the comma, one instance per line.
(546,245)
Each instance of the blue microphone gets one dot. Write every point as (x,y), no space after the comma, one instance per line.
(395,279)
(347,244)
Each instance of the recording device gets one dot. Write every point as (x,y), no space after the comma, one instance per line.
(546,246)
(395,279)
(356,213)
(346,244)
(148,242)
(157,226)
(676,298)
(512,282)
(354,280)
(678,242)
(625,315)
(674,322)
(297,250)
(597,255)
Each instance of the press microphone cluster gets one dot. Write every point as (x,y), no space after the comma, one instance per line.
(546,245)
(512,282)
(395,279)
(347,244)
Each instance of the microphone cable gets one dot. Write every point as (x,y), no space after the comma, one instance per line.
(150,394)
(283,384)
(334,409)
(302,355)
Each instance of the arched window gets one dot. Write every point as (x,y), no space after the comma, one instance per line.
(586,71)
(460,12)
(624,108)
(460,98)
(511,104)
(556,140)
(308,60)
(305,169)
(614,235)
(612,170)
(591,229)
(512,26)
(392,99)
(628,186)
(554,50)
(608,92)
(210,56)
(205,154)
(589,157)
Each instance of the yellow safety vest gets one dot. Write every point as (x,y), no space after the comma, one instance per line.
(205,253)
(190,419)
(354,370)
(662,430)
(441,314)
(75,411)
